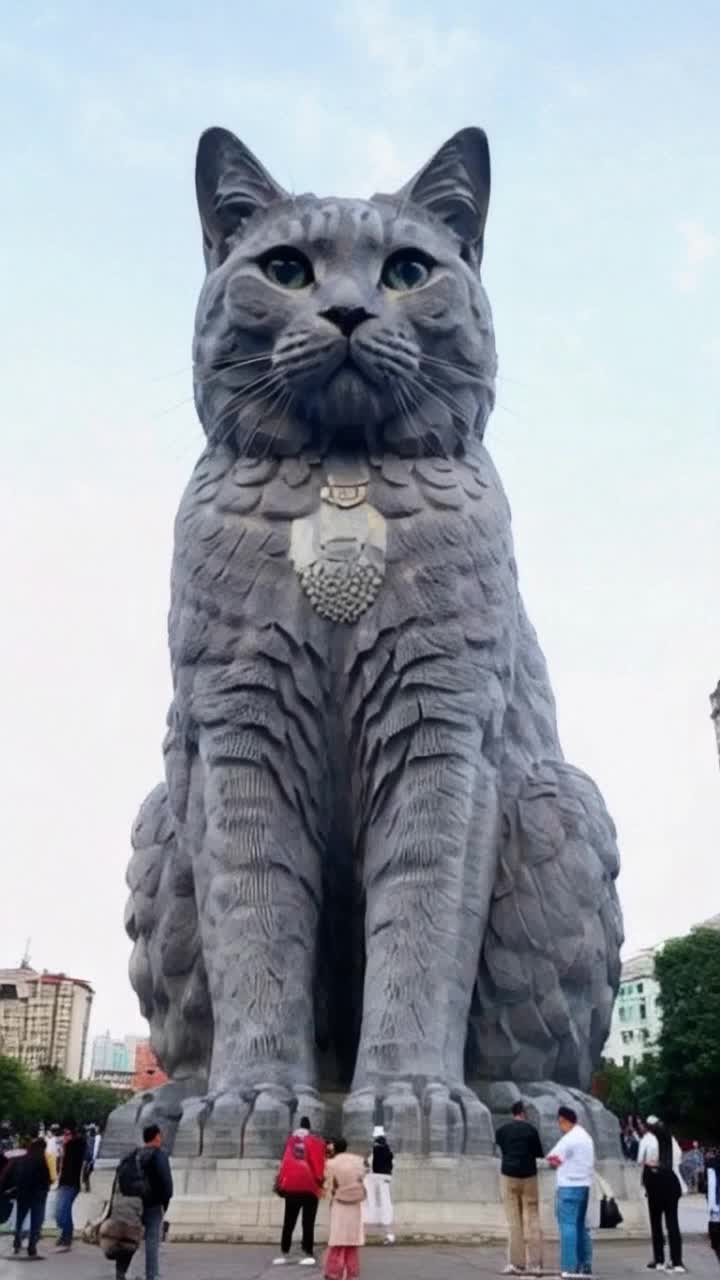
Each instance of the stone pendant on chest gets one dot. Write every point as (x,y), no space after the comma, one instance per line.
(338,551)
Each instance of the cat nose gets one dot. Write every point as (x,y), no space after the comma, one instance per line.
(346,319)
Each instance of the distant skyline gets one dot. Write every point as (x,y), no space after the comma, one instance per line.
(602,263)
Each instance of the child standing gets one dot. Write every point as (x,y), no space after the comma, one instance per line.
(713,1195)
(379,1206)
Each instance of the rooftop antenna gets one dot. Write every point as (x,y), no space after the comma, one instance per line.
(25,962)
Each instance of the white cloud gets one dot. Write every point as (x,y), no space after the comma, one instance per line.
(700,247)
(415,53)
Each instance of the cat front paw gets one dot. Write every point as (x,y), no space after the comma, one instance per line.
(542,1099)
(432,1119)
(254,1123)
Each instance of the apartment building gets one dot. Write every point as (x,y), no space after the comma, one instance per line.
(44,1019)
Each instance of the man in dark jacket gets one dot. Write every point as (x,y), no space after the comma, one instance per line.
(72,1160)
(32,1183)
(520,1148)
(157,1195)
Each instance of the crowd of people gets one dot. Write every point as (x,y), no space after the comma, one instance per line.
(62,1158)
(358,1190)
(649,1144)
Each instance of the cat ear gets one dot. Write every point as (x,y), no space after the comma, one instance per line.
(455,187)
(231,185)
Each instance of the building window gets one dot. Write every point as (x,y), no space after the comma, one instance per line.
(626,1061)
(639,988)
(623,1013)
(643,1011)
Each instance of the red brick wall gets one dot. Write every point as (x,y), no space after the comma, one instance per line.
(148,1072)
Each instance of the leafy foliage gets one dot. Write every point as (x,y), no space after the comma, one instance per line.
(613,1085)
(50,1097)
(688,1065)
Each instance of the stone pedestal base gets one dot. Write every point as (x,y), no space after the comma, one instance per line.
(436,1199)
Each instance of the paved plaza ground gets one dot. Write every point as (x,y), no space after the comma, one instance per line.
(254,1262)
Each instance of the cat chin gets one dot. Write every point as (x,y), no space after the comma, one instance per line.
(347,399)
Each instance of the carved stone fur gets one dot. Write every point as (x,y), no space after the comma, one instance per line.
(370,869)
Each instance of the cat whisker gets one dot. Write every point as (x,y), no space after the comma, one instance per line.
(440,393)
(465,372)
(273,384)
(410,404)
(246,400)
(219,371)
(204,381)
(163,413)
(279,408)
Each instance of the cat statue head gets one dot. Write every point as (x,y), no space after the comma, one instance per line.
(342,324)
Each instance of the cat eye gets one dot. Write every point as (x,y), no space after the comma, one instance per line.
(288,268)
(407,269)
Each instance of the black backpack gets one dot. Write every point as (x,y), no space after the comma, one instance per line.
(132,1178)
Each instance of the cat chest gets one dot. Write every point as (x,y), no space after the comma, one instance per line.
(345,537)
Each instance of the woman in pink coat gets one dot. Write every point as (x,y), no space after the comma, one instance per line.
(345,1185)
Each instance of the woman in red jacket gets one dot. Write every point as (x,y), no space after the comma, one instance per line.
(300,1183)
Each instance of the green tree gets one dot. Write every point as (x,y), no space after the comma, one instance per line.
(613,1085)
(688,1061)
(49,1097)
(85,1101)
(20,1095)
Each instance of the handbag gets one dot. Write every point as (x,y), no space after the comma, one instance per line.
(278,1189)
(610,1215)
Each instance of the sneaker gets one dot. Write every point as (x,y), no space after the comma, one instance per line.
(389,1239)
(654,1266)
(511,1270)
(282,1261)
(308,1261)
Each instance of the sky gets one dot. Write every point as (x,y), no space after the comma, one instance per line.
(602,262)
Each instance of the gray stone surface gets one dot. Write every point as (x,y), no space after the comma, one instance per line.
(369,869)
(422,1262)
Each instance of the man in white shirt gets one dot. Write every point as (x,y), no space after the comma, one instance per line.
(573,1158)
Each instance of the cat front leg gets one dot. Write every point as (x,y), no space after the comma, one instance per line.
(429,844)
(255,821)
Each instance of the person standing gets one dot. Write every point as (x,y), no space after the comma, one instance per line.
(520,1149)
(573,1159)
(53,1146)
(346,1188)
(32,1183)
(300,1182)
(72,1159)
(659,1156)
(712,1168)
(157,1192)
(379,1206)
(91,1138)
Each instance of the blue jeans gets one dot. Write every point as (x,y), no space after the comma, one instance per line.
(571,1206)
(153,1221)
(64,1201)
